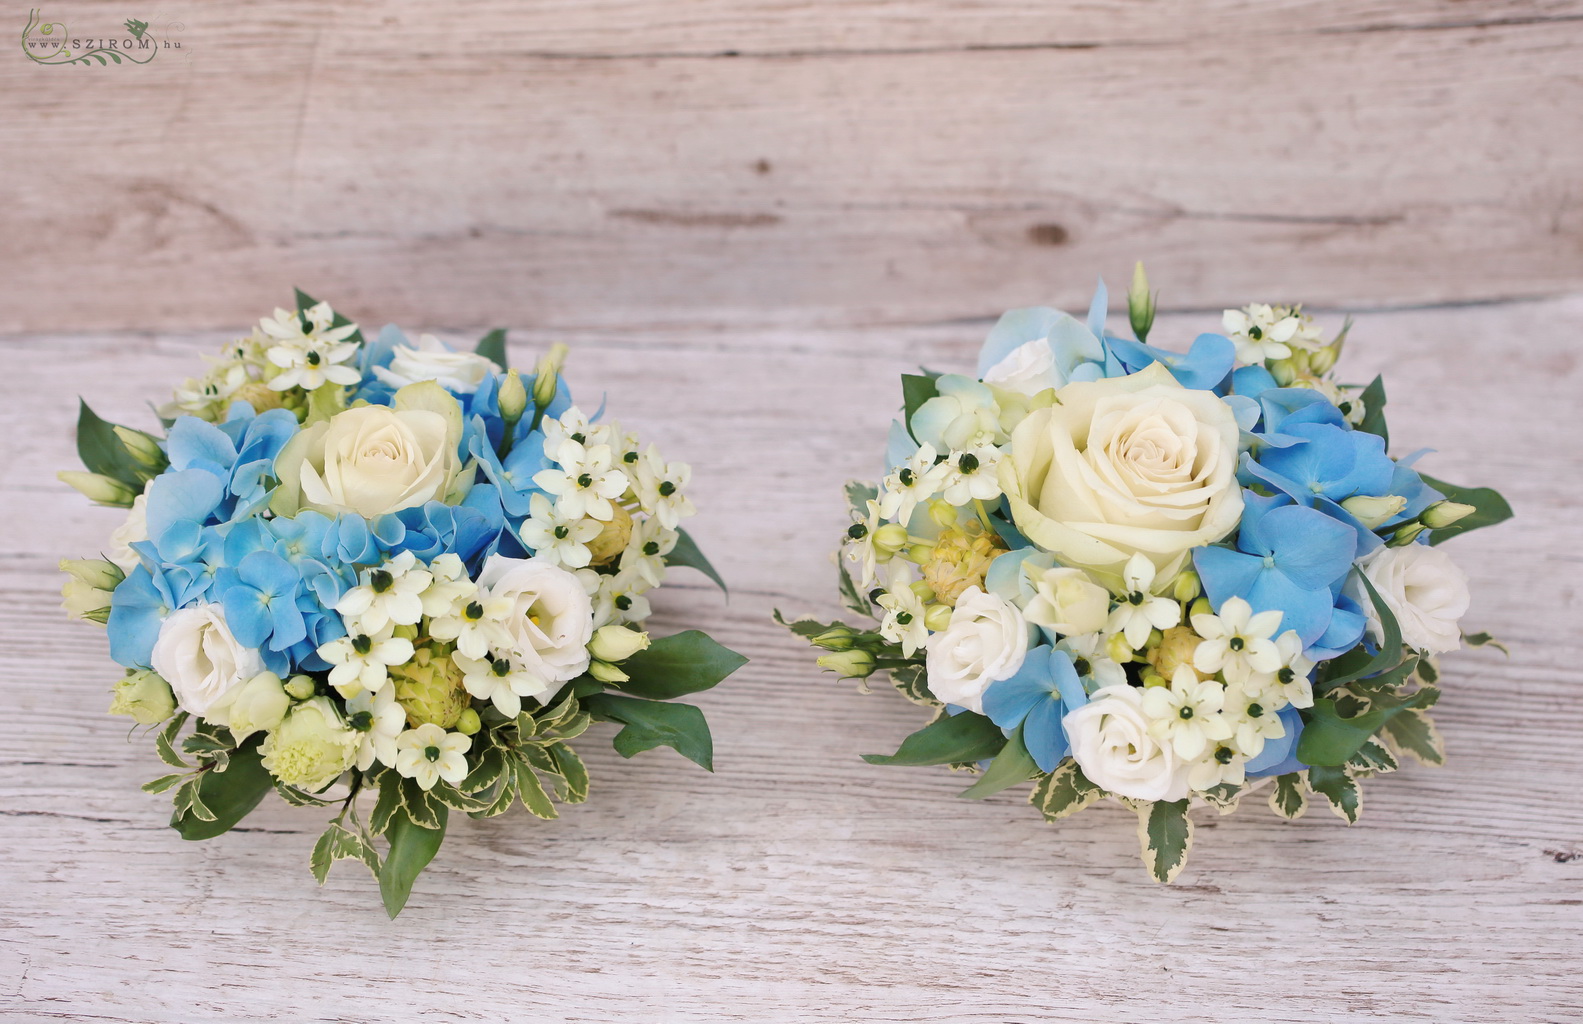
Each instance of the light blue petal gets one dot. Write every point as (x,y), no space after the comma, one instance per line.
(1225,573)
(1279,756)
(186,494)
(1310,548)
(1097,308)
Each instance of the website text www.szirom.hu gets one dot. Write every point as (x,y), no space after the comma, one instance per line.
(128,43)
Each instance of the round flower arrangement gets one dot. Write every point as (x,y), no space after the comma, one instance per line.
(387,569)
(1161,577)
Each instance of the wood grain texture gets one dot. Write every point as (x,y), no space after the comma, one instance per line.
(799,884)
(576,164)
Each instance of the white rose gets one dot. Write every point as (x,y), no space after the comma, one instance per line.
(372,460)
(1424,589)
(430,359)
(1125,465)
(1027,369)
(203,663)
(131,531)
(1067,601)
(985,643)
(552,617)
(1111,743)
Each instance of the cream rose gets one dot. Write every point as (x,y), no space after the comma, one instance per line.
(1111,743)
(1424,589)
(203,663)
(1027,369)
(1125,465)
(372,460)
(430,359)
(986,642)
(1067,601)
(551,619)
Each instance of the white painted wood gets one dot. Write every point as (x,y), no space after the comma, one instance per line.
(799,884)
(572,164)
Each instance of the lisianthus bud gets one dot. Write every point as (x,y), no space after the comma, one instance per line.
(469,723)
(259,706)
(1407,534)
(937,617)
(311,746)
(857,664)
(544,375)
(513,397)
(836,638)
(617,643)
(1187,586)
(1373,512)
(87,590)
(1140,304)
(1444,513)
(142,447)
(429,689)
(301,687)
(943,513)
(102,489)
(144,697)
(612,539)
(889,539)
(1200,607)
(606,672)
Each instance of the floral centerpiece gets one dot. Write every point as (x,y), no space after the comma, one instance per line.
(387,568)
(1158,576)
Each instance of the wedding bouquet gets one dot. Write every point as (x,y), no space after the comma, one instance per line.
(1163,577)
(386,568)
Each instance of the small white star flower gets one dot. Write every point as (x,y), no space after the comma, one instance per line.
(1090,659)
(1260,332)
(428,754)
(646,549)
(904,613)
(474,624)
(449,585)
(1186,714)
(620,599)
(563,539)
(1139,611)
(1221,765)
(309,358)
(860,548)
(362,662)
(916,480)
(586,481)
(970,476)
(495,678)
(574,425)
(1253,722)
(1293,681)
(390,593)
(660,487)
(379,720)
(1237,643)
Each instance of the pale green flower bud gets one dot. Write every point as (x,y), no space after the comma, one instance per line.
(102,489)
(144,697)
(923,590)
(1140,304)
(1373,512)
(943,513)
(545,373)
(93,572)
(300,687)
(858,664)
(513,397)
(937,617)
(1186,587)
(920,553)
(890,538)
(1444,513)
(606,672)
(1324,360)
(836,638)
(142,447)
(469,723)
(617,643)
(1406,535)
(259,706)
(1117,649)
(1200,607)
(429,689)
(311,746)
(1284,372)
(87,591)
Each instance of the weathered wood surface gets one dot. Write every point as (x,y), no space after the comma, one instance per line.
(799,884)
(885,161)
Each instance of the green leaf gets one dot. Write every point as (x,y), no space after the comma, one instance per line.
(340,843)
(164,783)
(1337,786)
(675,665)
(388,803)
(1224,797)
(101,451)
(229,795)
(915,391)
(912,680)
(1489,508)
(1011,767)
(1065,791)
(573,770)
(491,764)
(851,599)
(531,788)
(806,627)
(422,809)
(1373,757)
(858,495)
(1414,733)
(411,848)
(1289,799)
(686,553)
(1484,640)
(492,347)
(949,739)
(1358,663)
(649,724)
(1165,833)
(1374,410)
(1330,739)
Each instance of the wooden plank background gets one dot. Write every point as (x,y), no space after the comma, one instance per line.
(608,162)
(748,216)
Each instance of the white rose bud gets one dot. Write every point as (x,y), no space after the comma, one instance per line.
(1067,601)
(1425,591)
(985,643)
(258,706)
(617,643)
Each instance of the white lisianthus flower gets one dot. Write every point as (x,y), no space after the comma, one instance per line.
(428,754)
(1027,369)
(203,663)
(372,460)
(1424,589)
(1122,466)
(498,680)
(378,720)
(391,593)
(312,358)
(1112,743)
(1139,611)
(563,539)
(1186,714)
(1237,643)
(1067,601)
(986,642)
(131,531)
(549,620)
(432,359)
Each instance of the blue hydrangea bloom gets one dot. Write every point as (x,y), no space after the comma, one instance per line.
(1079,355)
(137,607)
(1204,367)
(260,601)
(1038,697)
(1279,756)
